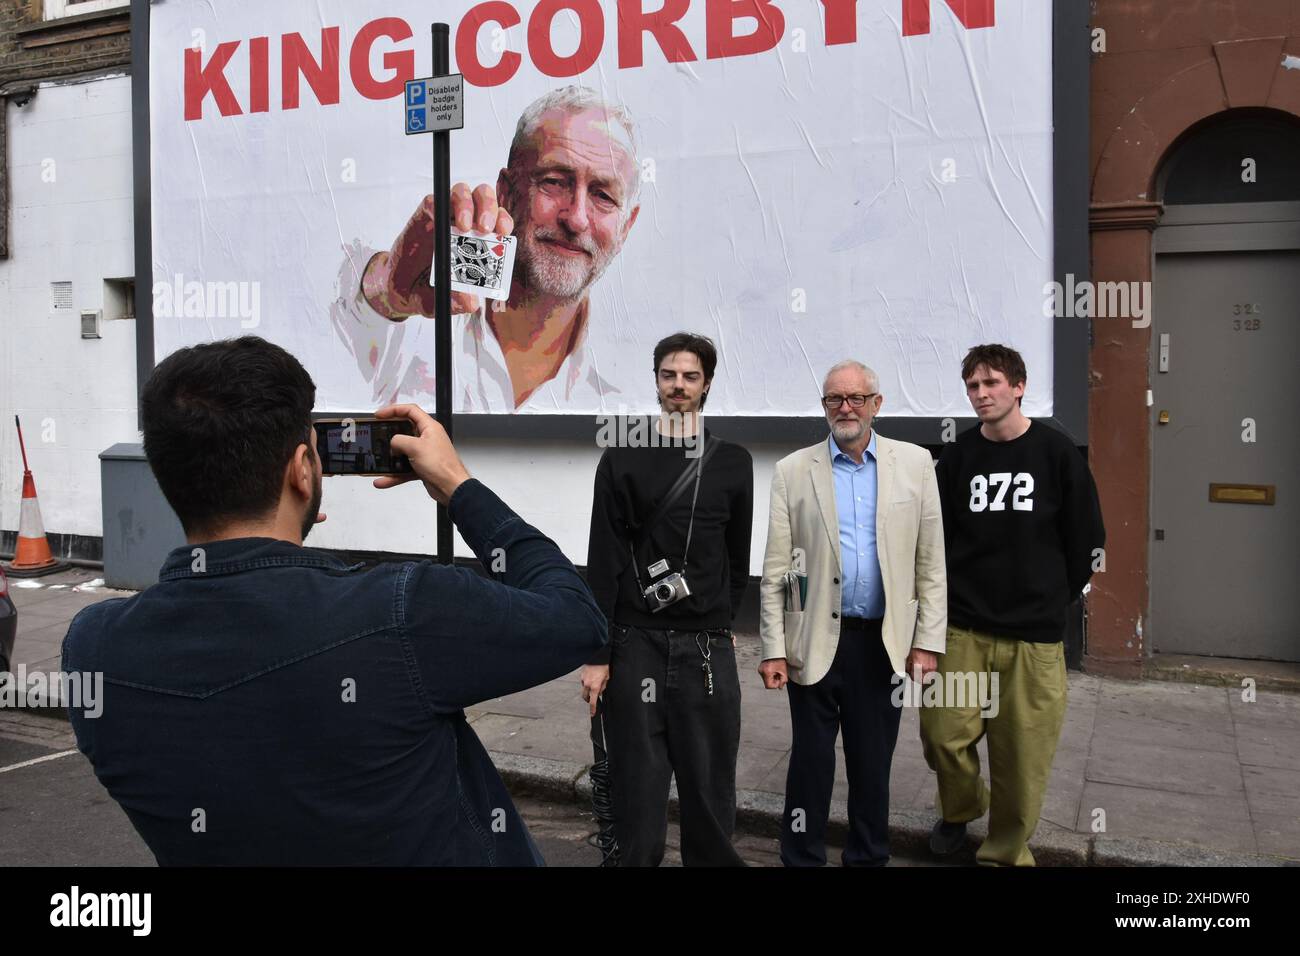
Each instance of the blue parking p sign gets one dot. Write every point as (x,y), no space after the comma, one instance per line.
(435,103)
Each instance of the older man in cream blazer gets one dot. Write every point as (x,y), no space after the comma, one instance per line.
(854,592)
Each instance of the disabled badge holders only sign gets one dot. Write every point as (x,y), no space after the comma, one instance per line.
(435,103)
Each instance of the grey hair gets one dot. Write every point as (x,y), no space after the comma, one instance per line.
(577,99)
(873,380)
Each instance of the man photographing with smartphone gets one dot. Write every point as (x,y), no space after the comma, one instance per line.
(267,704)
(668,562)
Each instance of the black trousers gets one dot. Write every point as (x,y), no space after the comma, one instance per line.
(855,696)
(661,720)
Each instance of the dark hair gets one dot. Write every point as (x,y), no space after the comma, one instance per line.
(998,358)
(701,346)
(221,422)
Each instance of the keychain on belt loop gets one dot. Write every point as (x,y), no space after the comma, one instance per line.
(707,652)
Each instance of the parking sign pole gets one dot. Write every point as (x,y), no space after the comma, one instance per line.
(436,104)
(442,276)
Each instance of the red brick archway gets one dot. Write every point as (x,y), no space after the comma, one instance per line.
(1124,213)
(1238,74)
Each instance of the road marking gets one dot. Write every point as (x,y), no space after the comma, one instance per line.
(29,763)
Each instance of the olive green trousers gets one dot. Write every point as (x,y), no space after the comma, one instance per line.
(1026,694)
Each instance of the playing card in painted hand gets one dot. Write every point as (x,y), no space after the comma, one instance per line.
(481,264)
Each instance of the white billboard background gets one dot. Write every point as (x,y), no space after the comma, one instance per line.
(887,199)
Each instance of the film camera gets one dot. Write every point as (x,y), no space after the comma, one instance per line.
(667,590)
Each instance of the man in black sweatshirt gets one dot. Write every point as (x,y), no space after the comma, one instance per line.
(667,681)
(1022,530)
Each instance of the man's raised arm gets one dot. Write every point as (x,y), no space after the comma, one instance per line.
(475,638)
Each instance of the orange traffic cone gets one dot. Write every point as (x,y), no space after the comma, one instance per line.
(32,556)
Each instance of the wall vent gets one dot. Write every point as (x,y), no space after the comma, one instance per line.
(61,294)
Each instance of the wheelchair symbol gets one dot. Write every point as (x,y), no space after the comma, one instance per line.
(415,120)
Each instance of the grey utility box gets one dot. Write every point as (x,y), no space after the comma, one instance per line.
(140,528)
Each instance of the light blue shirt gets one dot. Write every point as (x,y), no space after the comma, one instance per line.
(863,590)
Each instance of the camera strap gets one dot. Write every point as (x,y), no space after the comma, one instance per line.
(678,488)
(695,495)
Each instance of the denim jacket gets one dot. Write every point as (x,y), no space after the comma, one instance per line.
(267,704)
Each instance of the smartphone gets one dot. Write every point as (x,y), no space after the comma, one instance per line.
(361,446)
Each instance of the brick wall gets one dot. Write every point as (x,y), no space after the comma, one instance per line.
(33,49)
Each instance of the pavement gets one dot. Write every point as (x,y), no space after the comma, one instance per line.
(1146,773)
(54,813)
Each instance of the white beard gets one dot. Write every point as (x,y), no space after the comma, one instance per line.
(846,432)
(561,276)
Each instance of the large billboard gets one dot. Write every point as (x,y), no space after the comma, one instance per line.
(801,180)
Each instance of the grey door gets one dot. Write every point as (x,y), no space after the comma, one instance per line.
(1225,576)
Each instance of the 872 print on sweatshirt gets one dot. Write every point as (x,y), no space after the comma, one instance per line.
(1000,482)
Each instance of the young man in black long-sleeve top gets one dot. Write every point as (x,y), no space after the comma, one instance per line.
(1022,528)
(667,680)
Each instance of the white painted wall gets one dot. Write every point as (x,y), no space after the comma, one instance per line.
(78,228)
(70,220)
